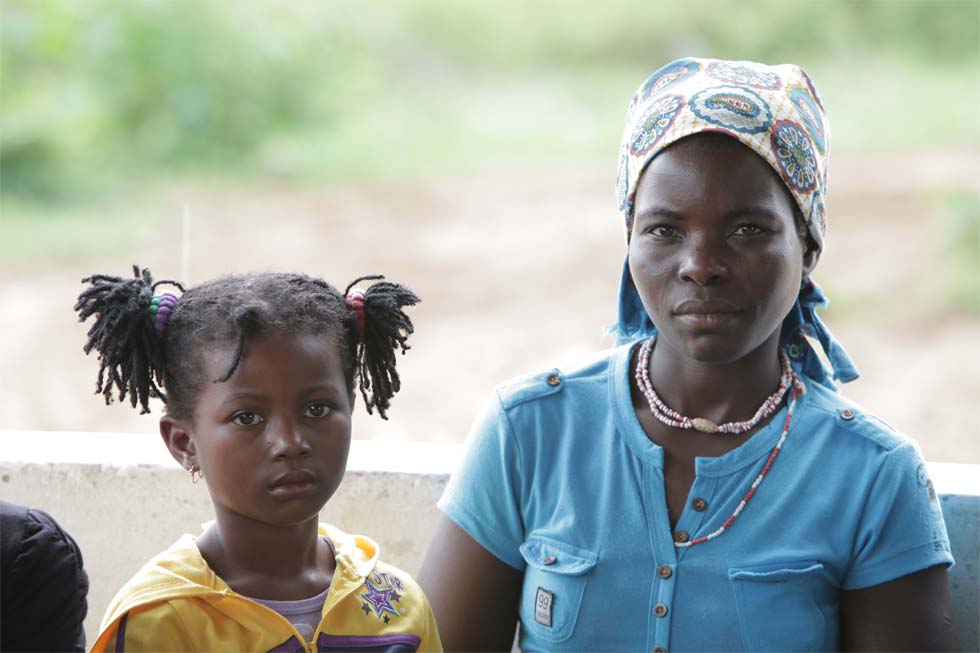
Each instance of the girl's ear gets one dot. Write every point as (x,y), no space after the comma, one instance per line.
(177,436)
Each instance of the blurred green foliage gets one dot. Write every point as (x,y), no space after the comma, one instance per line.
(103,93)
(962,261)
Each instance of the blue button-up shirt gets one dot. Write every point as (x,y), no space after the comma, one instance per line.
(560,481)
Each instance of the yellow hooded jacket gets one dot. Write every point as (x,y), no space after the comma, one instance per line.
(176,603)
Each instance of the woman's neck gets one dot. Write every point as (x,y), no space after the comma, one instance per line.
(275,562)
(720,392)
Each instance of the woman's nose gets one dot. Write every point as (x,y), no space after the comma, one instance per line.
(702,262)
(286,441)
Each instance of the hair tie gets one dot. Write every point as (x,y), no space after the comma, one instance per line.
(355,303)
(160,308)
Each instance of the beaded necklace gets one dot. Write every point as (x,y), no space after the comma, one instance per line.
(671,417)
(798,389)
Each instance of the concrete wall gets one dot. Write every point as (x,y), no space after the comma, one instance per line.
(124,500)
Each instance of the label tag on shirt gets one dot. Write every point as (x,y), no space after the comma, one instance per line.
(542,607)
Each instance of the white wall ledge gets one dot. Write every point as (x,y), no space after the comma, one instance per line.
(400,456)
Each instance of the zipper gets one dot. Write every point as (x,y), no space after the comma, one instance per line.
(309,647)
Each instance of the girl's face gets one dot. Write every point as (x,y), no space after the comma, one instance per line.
(272,441)
(715,251)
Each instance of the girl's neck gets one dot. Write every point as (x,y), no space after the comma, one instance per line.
(275,562)
(721,392)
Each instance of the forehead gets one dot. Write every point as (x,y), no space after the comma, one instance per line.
(279,357)
(710,171)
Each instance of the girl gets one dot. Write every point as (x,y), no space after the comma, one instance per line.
(703,486)
(257,374)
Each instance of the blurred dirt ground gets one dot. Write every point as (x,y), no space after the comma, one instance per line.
(518,271)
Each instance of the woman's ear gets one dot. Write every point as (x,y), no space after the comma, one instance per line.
(176,435)
(811,255)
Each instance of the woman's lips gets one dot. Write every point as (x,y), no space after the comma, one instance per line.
(706,320)
(706,314)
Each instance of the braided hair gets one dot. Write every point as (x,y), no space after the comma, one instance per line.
(137,361)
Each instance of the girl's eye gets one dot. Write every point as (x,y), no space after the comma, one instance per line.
(246,418)
(748,230)
(317,409)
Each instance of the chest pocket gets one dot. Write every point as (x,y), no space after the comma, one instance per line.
(554,582)
(782,607)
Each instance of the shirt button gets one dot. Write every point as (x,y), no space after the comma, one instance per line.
(553,380)
(660,610)
(664,571)
(550,560)
(699,504)
(847,414)
(681,536)
(660,649)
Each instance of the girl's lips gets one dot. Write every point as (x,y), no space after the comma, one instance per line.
(293,489)
(293,484)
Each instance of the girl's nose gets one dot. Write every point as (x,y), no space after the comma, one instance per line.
(286,441)
(702,262)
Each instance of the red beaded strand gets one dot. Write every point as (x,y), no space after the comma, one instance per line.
(798,389)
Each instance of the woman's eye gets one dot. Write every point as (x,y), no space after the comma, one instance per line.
(318,409)
(246,418)
(748,230)
(663,231)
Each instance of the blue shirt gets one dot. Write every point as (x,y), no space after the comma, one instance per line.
(560,481)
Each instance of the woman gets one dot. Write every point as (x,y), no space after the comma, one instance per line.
(702,486)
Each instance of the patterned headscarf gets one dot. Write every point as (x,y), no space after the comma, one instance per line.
(777,113)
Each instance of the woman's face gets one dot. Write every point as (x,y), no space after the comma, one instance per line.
(272,441)
(715,250)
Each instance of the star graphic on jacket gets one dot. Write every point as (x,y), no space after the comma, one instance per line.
(380,600)
(366,608)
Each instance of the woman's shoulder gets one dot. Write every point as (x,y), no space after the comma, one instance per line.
(579,374)
(851,423)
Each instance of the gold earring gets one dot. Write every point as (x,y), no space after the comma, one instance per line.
(196,474)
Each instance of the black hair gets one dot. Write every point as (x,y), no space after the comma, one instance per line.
(135,361)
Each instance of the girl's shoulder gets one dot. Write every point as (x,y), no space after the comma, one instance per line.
(374,602)
(153,594)
(359,561)
(177,572)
